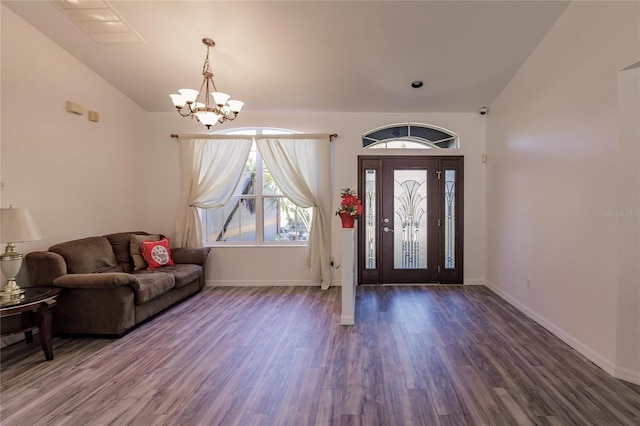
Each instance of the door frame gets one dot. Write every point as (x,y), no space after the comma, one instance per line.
(445,275)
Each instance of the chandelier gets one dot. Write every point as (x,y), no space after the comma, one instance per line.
(205,106)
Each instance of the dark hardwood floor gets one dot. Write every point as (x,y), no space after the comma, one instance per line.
(421,355)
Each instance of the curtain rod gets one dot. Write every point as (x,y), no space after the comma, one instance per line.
(331,136)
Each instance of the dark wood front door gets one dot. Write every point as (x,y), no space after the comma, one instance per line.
(411,227)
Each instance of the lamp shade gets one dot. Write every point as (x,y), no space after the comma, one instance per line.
(189,95)
(235,106)
(207,118)
(178,100)
(220,98)
(17,226)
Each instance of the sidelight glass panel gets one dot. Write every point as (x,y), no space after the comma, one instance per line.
(449,219)
(410,219)
(370,217)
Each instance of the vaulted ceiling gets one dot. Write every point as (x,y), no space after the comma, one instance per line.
(347,56)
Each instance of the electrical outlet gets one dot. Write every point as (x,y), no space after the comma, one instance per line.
(529,282)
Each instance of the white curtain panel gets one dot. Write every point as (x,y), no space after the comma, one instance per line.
(211,169)
(300,166)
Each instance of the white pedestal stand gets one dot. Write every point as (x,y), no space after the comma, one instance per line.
(349,277)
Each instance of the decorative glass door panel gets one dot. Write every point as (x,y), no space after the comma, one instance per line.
(410,211)
(409,234)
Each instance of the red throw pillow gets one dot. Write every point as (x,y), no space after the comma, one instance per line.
(156,253)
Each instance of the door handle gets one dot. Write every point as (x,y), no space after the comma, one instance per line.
(387,229)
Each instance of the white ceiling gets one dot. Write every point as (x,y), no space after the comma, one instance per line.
(348,56)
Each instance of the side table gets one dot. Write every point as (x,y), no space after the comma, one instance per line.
(32,310)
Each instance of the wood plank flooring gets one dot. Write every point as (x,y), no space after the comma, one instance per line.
(418,355)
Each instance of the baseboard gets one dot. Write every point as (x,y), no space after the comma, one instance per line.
(592,355)
(264,283)
(627,375)
(474,281)
(347,320)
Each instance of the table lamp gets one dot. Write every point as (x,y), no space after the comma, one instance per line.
(16,227)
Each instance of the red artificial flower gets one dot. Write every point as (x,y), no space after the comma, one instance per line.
(350,203)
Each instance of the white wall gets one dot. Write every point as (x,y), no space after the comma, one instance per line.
(553,147)
(228,265)
(627,212)
(76,177)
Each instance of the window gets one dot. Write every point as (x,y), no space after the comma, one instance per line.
(258,212)
(410,136)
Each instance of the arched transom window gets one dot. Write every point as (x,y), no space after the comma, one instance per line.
(410,136)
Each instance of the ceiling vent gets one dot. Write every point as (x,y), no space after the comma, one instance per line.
(99,20)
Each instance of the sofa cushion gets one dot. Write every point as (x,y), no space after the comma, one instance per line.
(87,255)
(121,242)
(136,251)
(183,274)
(150,286)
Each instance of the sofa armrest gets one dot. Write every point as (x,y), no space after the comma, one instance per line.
(194,255)
(93,281)
(44,267)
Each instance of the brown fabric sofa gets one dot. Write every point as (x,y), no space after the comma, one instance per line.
(101,293)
